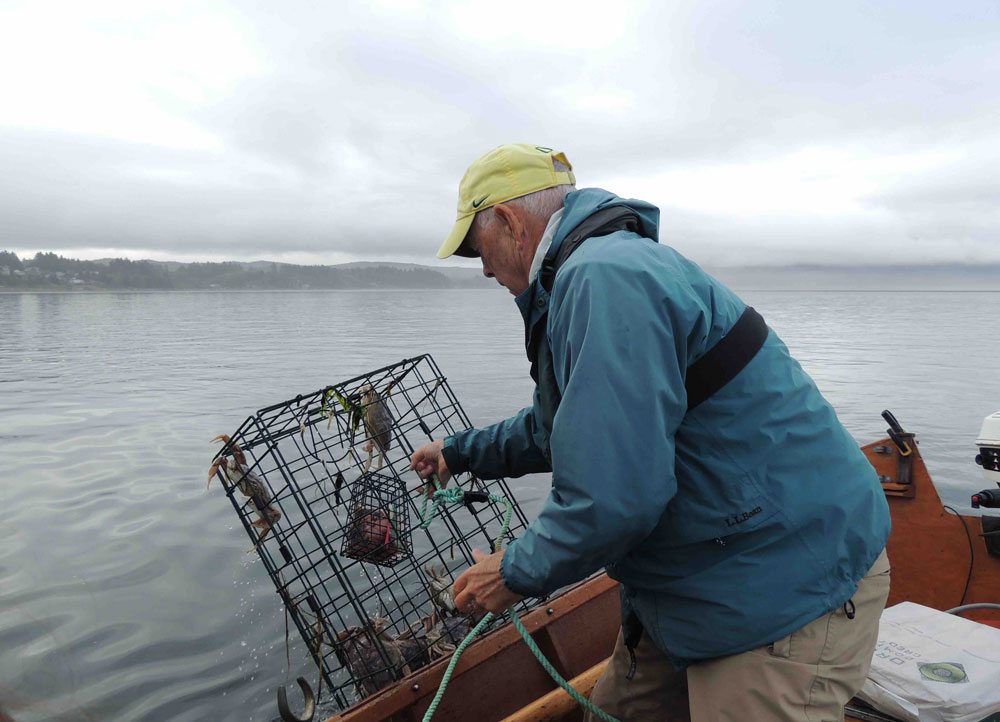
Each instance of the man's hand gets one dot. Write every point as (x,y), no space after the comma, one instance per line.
(480,587)
(428,460)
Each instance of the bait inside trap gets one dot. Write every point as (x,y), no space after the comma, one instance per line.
(378,523)
(322,485)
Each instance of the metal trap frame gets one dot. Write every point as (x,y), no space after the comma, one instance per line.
(323,487)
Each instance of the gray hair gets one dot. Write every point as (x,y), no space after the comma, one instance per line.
(541,204)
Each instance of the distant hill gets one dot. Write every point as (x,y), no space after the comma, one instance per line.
(47,271)
(50,271)
(465,277)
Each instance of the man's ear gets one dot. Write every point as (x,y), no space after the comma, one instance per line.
(511,217)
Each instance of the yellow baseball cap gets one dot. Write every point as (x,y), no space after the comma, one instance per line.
(505,173)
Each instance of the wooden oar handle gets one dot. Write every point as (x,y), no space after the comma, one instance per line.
(557,703)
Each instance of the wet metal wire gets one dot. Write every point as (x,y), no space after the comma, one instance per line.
(360,580)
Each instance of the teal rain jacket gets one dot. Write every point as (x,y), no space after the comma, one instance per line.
(729,526)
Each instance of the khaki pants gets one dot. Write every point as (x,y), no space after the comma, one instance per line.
(806,677)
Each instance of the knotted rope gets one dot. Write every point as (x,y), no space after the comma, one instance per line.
(456,495)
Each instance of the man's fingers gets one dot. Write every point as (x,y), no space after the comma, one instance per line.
(442,470)
(460,584)
(478,555)
(425,455)
(464,601)
(423,468)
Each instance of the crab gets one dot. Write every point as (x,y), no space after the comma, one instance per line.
(238,473)
(440,585)
(442,635)
(378,423)
(358,649)
(412,645)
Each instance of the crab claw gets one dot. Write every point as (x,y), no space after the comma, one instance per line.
(234,448)
(214,469)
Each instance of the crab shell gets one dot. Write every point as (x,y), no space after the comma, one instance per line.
(363,660)
(441,589)
(378,418)
(444,634)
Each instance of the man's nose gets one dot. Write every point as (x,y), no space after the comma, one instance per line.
(486,271)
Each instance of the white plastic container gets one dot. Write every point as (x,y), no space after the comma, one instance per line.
(989,447)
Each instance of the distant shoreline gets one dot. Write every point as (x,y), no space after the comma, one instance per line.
(50,273)
(174,291)
(109,291)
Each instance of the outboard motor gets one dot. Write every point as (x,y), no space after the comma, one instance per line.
(989,458)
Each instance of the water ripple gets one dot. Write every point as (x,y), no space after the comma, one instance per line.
(16,636)
(125,590)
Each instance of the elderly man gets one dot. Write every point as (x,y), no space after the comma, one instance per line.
(691,457)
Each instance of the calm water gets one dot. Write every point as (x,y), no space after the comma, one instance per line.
(125,590)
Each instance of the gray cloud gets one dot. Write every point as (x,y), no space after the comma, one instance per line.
(350,134)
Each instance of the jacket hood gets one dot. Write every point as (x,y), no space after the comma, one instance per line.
(533,302)
(580,205)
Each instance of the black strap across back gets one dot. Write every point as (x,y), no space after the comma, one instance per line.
(723,361)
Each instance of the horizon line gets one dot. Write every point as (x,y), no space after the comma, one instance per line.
(801,265)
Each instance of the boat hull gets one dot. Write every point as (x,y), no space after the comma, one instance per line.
(938,560)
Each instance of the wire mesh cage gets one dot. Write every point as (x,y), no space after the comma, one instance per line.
(323,488)
(377,525)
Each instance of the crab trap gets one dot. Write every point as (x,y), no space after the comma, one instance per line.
(323,487)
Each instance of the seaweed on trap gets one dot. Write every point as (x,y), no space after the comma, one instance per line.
(367,589)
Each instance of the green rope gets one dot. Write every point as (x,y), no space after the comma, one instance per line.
(425,521)
(456,495)
(580,699)
(453,662)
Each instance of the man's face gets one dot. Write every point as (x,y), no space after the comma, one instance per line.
(506,248)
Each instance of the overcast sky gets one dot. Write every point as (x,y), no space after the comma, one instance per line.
(767,132)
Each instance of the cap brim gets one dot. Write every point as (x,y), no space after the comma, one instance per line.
(452,244)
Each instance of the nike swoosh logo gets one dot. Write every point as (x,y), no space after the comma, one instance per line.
(476,204)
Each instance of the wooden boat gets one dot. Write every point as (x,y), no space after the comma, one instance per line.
(939,559)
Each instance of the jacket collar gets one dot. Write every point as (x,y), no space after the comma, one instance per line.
(533,303)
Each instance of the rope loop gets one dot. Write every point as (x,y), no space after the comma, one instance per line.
(456,495)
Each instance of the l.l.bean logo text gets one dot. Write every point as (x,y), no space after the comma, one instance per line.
(737,519)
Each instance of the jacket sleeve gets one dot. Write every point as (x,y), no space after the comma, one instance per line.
(509,448)
(619,362)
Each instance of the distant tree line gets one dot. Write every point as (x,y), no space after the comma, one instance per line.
(51,271)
